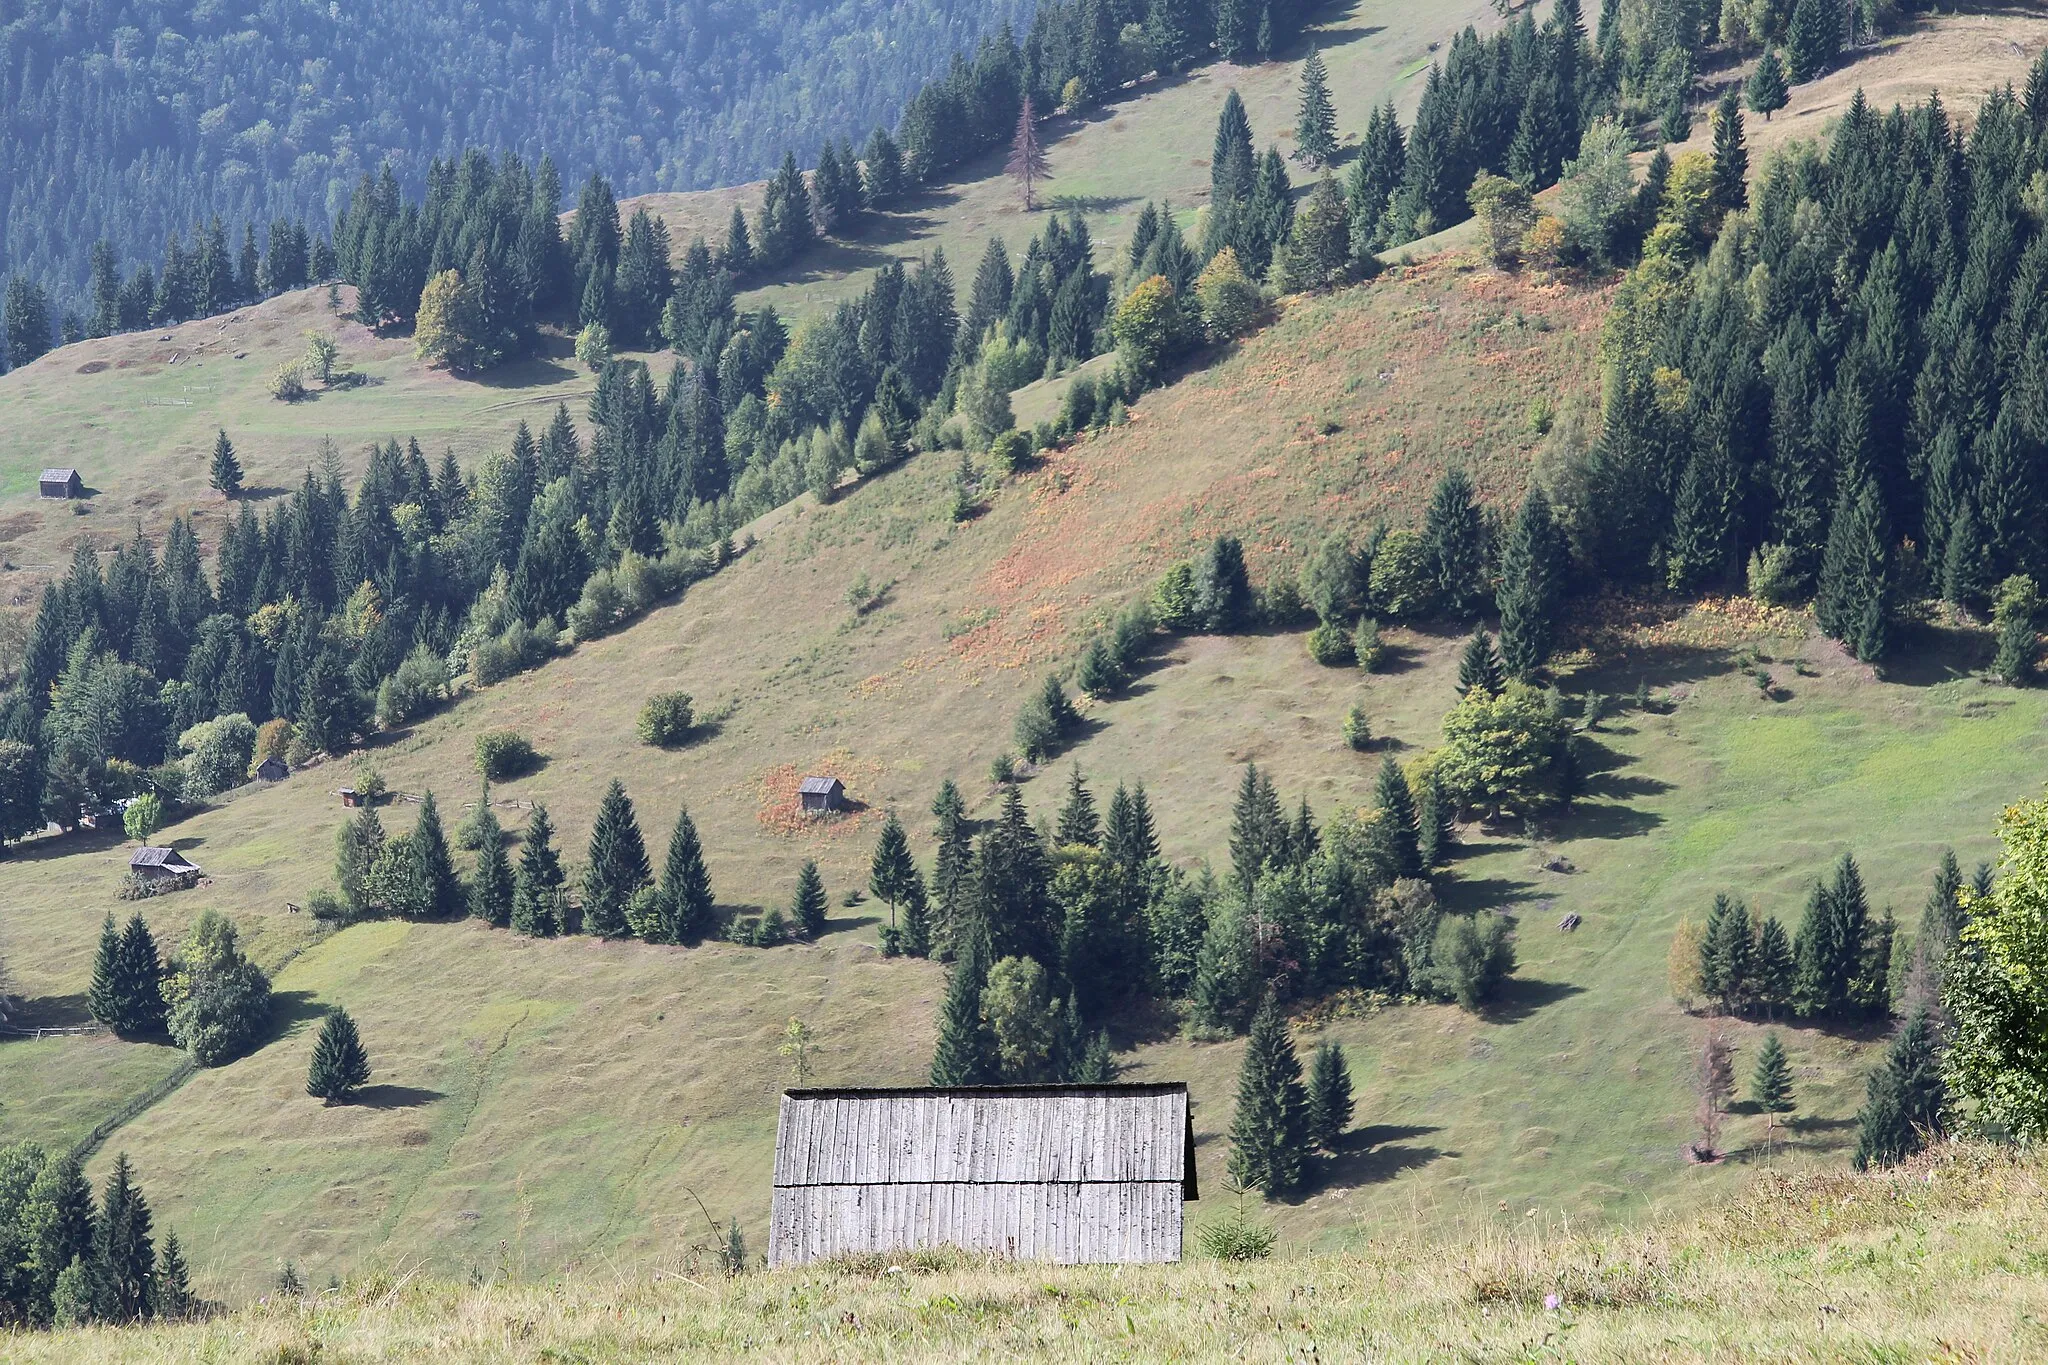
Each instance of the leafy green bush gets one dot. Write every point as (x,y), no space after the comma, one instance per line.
(218,753)
(1357,729)
(503,754)
(417,687)
(1773,579)
(220,1001)
(1329,645)
(666,720)
(1403,580)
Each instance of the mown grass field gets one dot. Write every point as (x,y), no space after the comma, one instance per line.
(1942,1260)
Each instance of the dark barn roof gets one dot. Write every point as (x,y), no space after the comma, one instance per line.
(160,857)
(821,786)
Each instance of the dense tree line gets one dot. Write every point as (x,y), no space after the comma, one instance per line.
(137,122)
(1843,385)
(70,1260)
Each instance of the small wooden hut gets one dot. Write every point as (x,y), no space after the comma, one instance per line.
(160,864)
(61,483)
(1065,1173)
(822,794)
(272,769)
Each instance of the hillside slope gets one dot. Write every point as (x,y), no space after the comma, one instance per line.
(570,1101)
(1939,1261)
(564,1101)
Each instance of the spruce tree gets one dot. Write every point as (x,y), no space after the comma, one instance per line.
(1480,666)
(618,865)
(1904,1099)
(1770,1085)
(1733,953)
(126,1259)
(1329,1097)
(1237,29)
(1731,156)
(1269,1138)
(1315,122)
(538,880)
(1765,90)
(171,1292)
(141,975)
(1813,38)
(1096,1067)
(1129,843)
(892,869)
(917,920)
(1854,604)
(1078,821)
(104,998)
(807,907)
(1434,832)
(225,475)
(1394,834)
(966,1053)
(688,911)
(1454,533)
(491,885)
(950,870)
(1256,827)
(340,1064)
(431,846)
(1775,968)
(1532,585)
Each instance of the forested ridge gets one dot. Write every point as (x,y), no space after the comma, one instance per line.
(134,121)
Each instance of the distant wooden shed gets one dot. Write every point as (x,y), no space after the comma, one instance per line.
(822,794)
(61,483)
(158,864)
(1071,1174)
(272,769)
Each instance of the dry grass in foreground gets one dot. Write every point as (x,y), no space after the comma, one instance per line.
(1943,1259)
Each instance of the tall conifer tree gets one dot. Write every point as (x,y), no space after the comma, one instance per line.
(1269,1138)
(688,911)
(618,864)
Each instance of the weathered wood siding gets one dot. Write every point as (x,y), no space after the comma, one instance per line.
(1070,1224)
(1070,1175)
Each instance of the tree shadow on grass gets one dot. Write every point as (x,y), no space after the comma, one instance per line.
(843,924)
(1461,895)
(288,1011)
(45,846)
(1609,822)
(51,1011)
(394,1097)
(1375,1154)
(1520,997)
(1927,652)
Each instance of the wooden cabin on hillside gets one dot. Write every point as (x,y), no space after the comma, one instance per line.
(61,483)
(822,795)
(1071,1174)
(160,864)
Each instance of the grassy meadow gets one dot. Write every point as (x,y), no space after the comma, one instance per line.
(572,1102)
(540,1105)
(1941,1260)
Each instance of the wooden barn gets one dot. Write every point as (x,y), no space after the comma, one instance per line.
(272,769)
(161,864)
(1065,1173)
(61,483)
(822,794)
